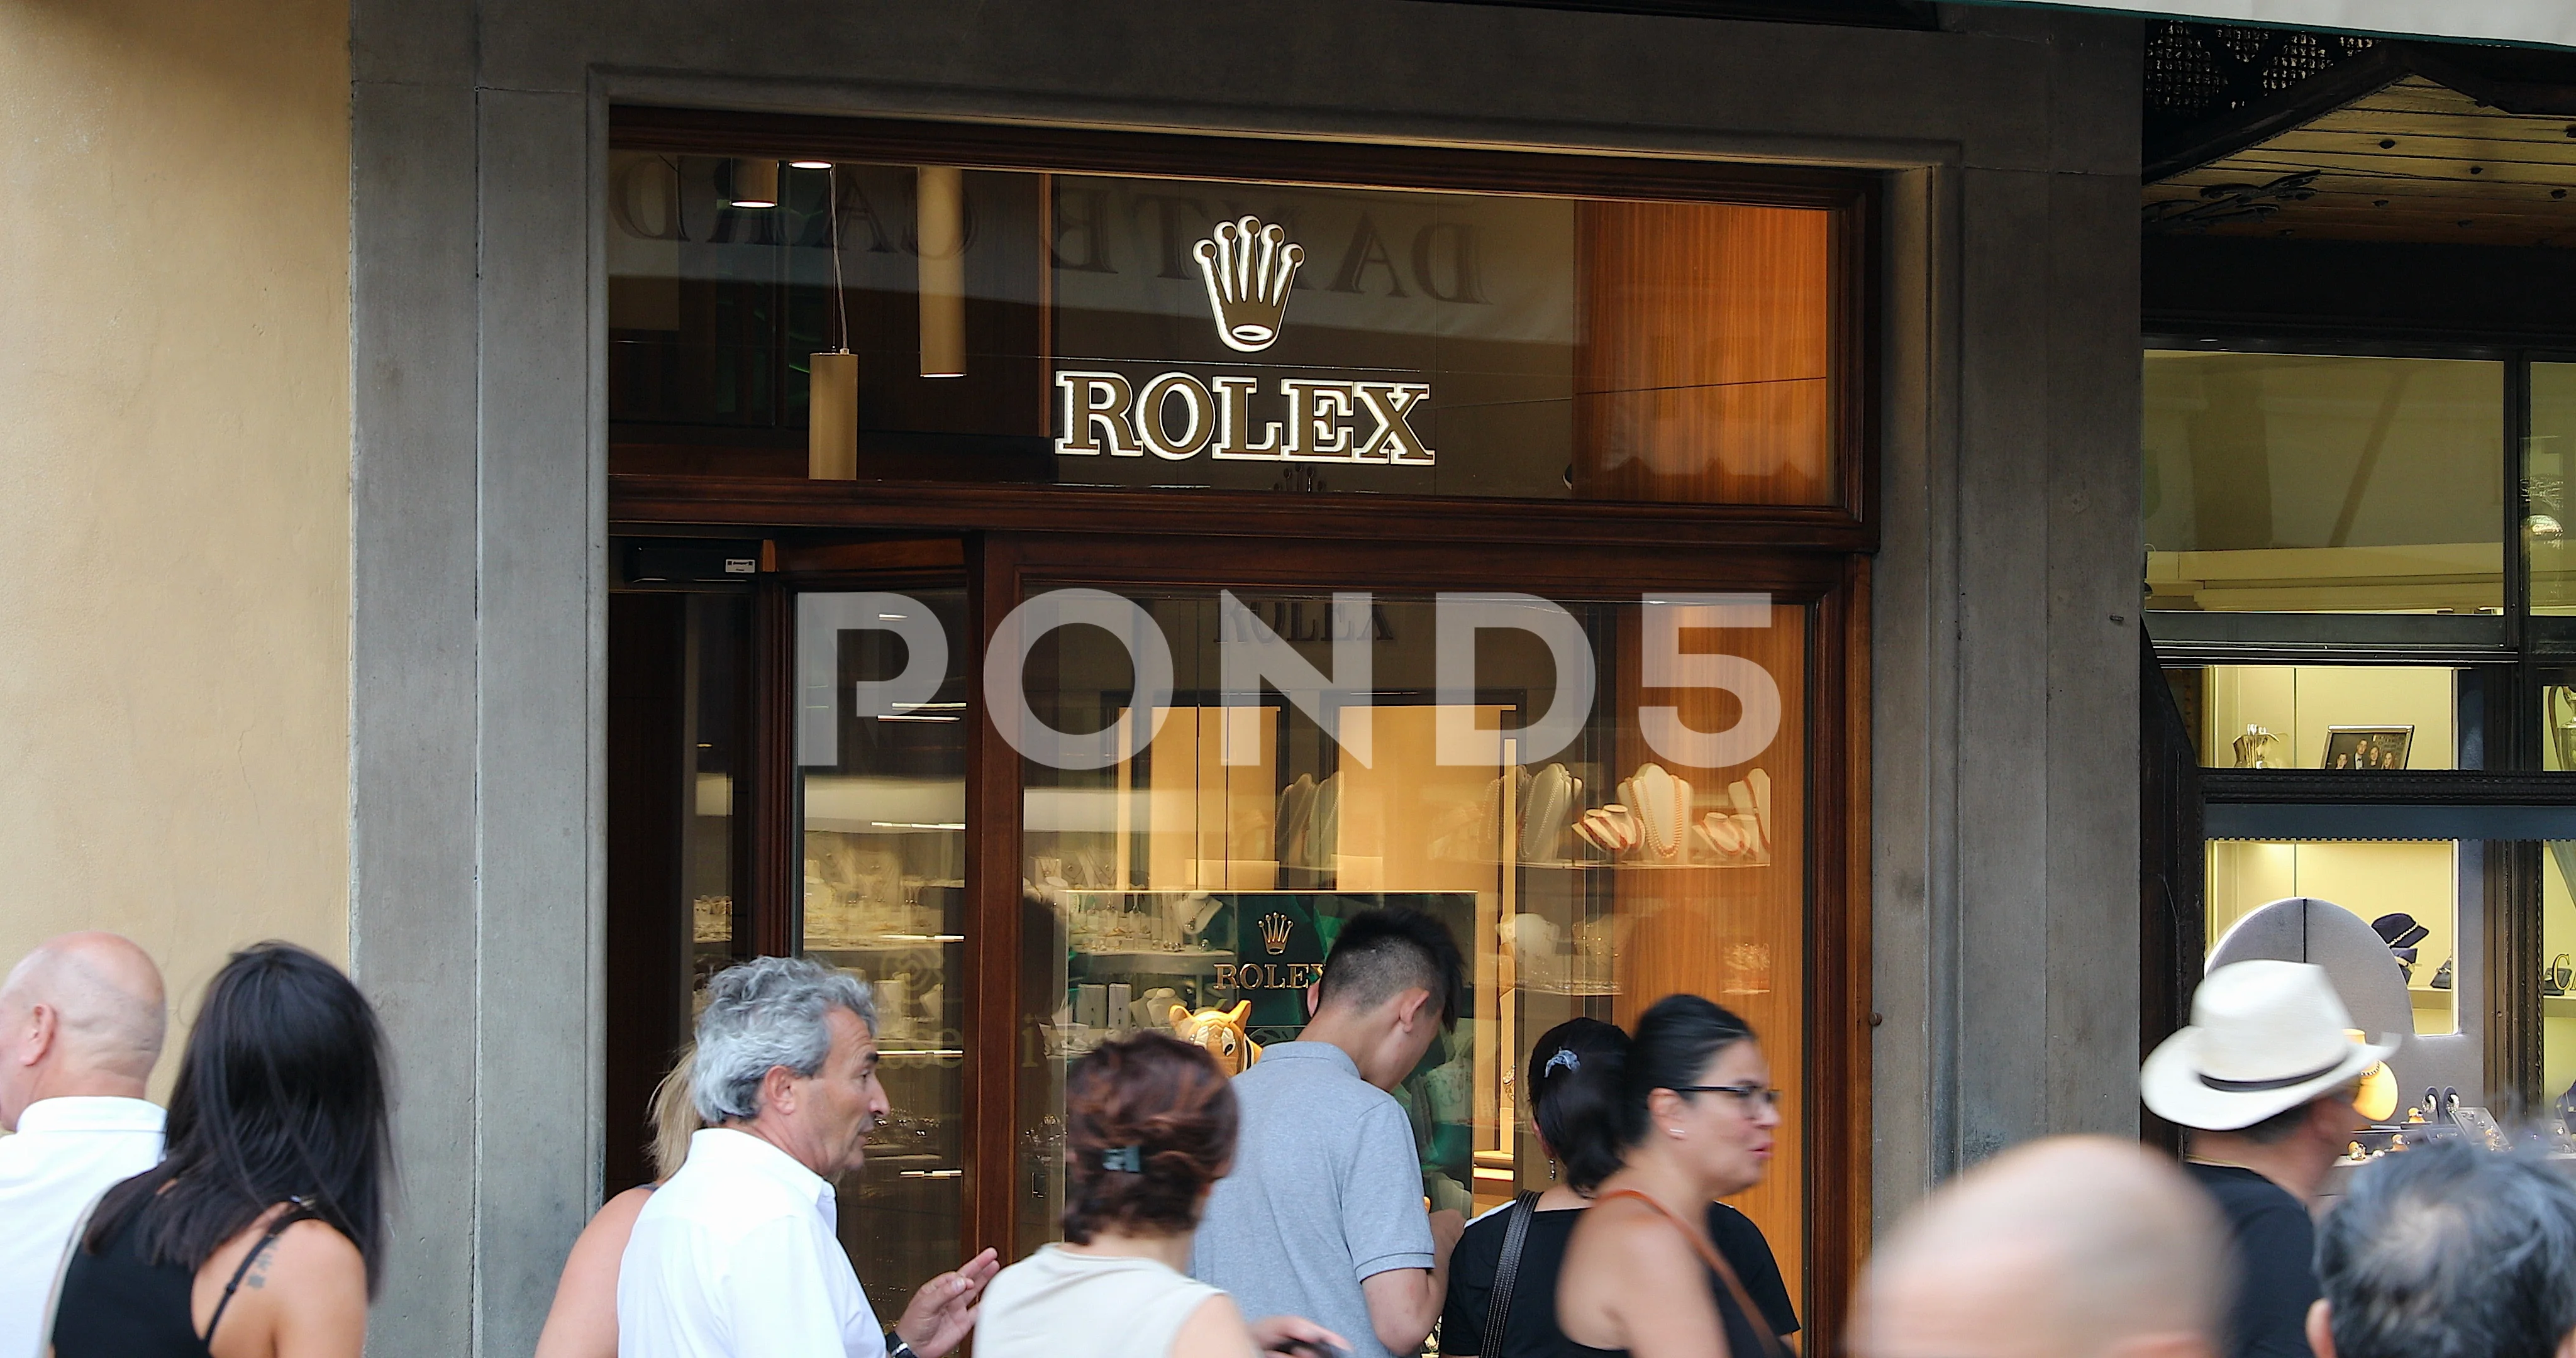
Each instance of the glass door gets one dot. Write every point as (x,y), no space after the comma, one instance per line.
(881,734)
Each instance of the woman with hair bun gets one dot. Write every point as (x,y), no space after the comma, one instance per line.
(1149,1129)
(1694,1117)
(1575,1083)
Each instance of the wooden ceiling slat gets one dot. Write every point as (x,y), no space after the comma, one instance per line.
(2512,136)
(2391,166)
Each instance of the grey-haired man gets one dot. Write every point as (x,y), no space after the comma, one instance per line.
(2449,1251)
(736,1256)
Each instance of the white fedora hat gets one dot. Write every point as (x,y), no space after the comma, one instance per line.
(2264,1038)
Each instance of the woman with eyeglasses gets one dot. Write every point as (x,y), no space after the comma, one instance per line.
(1695,1118)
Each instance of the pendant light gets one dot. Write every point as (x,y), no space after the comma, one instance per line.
(939,228)
(832,386)
(755,183)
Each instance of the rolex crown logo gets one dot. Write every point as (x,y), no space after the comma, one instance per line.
(1248,267)
(1274,932)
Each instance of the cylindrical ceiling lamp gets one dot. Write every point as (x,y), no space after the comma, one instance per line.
(940,227)
(832,434)
(754,183)
(832,385)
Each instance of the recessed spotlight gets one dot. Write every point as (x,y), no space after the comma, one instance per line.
(2390,143)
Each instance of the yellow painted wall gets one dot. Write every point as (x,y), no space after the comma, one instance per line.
(2301,703)
(2368,879)
(174,434)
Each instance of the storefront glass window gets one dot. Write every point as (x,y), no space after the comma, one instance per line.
(1116,331)
(717,624)
(2367,717)
(884,811)
(2552,458)
(2313,483)
(2557,971)
(2390,937)
(1196,877)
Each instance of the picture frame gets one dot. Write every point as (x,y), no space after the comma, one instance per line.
(2369,748)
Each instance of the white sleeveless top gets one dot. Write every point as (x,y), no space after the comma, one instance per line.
(1055,1304)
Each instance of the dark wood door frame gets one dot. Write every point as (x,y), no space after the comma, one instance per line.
(1000,569)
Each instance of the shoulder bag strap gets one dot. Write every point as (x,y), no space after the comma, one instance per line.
(1754,1320)
(1507,1270)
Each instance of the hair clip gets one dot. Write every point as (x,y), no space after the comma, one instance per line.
(1124,1159)
(1564,1057)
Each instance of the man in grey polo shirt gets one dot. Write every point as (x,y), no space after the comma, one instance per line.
(1322,1216)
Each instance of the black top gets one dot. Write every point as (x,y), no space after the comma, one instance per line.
(2276,1247)
(116,1304)
(1529,1331)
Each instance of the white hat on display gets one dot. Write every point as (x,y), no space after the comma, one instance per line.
(2265,1037)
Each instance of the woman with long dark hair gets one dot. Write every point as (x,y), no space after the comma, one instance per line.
(262,1234)
(1696,1113)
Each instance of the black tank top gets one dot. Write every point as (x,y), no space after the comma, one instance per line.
(116,1304)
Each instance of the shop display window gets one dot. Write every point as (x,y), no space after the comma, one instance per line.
(2403,898)
(1198,881)
(2550,458)
(2558,975)
(883,810)
(2310,483)
(2334,717)
(1037,328)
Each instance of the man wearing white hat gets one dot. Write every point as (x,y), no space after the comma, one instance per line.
(2265,1078)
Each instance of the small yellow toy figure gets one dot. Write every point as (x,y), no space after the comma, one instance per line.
(1221,1032)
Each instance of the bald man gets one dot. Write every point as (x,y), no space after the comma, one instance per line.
(2073,1247)
(81,1021)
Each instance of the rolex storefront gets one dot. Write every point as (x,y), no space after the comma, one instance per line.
(1055,507)
(1060,578)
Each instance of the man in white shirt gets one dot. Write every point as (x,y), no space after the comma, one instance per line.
(736,1255)
(81,1022)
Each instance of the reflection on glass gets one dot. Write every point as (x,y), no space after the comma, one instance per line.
(2306,483)
(1200,883)
(2372,717)
(1425,343)
(717,624)
(2547,512)
(2405,892)
(884,803)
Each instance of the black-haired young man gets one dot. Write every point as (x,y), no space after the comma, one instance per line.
(1322,1216)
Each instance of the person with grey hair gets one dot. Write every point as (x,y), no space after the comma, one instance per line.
(737,1255)
(2449,1251)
